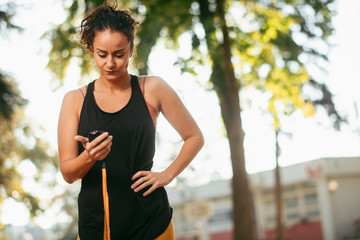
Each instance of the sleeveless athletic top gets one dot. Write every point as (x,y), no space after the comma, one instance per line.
(132,216)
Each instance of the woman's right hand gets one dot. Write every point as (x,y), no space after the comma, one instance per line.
(97,149)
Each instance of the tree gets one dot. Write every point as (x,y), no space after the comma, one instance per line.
(17,140)
(278,194)
(285,101)
(10,97)
(268,47)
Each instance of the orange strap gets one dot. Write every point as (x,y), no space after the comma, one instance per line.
(106,206)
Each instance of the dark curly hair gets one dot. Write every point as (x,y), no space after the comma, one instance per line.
(106,17)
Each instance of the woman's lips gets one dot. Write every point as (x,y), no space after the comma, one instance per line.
(110,72)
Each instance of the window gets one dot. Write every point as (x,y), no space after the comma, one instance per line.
(270,221)
(291,202)
(292,216)
(311,199)
(312,214)
(223,216)
(289,189)
(269,207)
(309,184)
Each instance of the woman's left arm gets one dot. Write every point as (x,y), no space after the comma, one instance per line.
(161,95)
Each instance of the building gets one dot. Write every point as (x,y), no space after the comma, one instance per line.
(321,201)
(28,232)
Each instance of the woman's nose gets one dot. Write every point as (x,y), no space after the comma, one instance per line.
(110,62)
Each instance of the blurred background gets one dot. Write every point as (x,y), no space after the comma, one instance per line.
(272,84)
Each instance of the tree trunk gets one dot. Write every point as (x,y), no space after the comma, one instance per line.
(227,89)
(148,40)
(242,206)
(278,194)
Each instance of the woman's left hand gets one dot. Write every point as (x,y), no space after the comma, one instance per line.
(147,178)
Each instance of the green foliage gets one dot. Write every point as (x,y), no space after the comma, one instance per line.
(266,51)
(16,138)
(10,99)
(15,147)
(65,43)
(259,44)
(7,12)
(272,53)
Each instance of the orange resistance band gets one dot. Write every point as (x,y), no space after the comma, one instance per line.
(169,233)
(106,206)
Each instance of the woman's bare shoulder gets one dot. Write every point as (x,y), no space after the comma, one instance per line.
(74,99)
(75,94)
(156,83)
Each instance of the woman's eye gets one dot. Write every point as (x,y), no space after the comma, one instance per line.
(102,56)
(119,56)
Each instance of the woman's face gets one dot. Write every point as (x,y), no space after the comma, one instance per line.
(112,53)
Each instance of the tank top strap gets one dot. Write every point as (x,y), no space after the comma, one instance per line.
(89,92)
(82,93)
(90,87)
(152,111)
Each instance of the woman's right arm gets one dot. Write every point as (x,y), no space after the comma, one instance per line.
(72,165)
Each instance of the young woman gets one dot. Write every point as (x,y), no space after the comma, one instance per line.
(120,197)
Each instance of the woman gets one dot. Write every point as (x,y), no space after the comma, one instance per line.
(125,200)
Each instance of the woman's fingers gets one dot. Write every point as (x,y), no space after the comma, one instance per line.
(148,178)
(153,187)
(99,148)
(100,138)
(94,147)
(100,151)
(140,174)
(140,181)
(100,154)
(143,185)
(82,139)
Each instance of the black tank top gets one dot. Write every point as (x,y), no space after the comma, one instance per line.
(132,216)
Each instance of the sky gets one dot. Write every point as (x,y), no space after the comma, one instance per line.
(24,56)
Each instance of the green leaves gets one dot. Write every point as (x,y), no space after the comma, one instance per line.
(7,12)
(264,49)
(266,35)
(273,45)
(16,135)
(10,99)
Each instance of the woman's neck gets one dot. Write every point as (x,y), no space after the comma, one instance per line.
(120,84)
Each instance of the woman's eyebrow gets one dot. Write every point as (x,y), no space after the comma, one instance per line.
(122,49)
